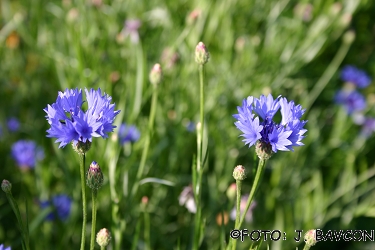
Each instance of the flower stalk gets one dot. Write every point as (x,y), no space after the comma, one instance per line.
(155,79)
(93,224)
(94,180)
(201,57)
(84,211)
(258,176)
(239,174)
(6,186)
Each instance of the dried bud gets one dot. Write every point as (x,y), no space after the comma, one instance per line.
(94,176)
(156,74)
(6,186)
(82,147)
(310,237)
(201,54)
(239,173)
(263,150)
(103,237)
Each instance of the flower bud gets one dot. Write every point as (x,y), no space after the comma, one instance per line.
(81,147)
(263,150)
(193,16)
(239,173)
(103,237)
(94,177)
(6,186)
(310,237)
(156,74)
(201,54)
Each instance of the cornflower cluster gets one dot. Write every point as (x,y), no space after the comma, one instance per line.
(352,100)
(69,123)
(264,130)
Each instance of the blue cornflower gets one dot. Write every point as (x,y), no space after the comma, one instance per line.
(355,76)
(352,100)
(4,248)
(26,153)
(61,205)
(128,134)
(13,124)
(283,136)
(368,127)
(69,123)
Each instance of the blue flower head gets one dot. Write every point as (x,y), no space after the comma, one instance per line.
(4,248)
(128,134)
(69,123)
(352,100)
(278,136)
(368,127)
(355,76)
(26,153)
(13,124)
(61,207)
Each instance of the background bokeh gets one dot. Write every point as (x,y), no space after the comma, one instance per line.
(291,48)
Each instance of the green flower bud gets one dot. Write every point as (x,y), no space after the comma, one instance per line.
(6,186)
(94,176)
(103,237)
(201,54)
(156,74)
(263,150)
(239,173)
(310,237)
(82,147)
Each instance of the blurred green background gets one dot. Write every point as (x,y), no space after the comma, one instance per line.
(284,47)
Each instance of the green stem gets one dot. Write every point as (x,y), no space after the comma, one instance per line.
(327,75)
(24,231)
(307,247)
(254,187)
(147,230)
(102,248)
(201,80)
(197,189)
(93,224)
(238,211)
(148,138)
(83,186)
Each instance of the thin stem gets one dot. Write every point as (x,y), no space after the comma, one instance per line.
(197,188)
(201,80)
(93,224)
(147,230)
(257,178)
(148,138)
(83,186)
(327,75)
(306,247)
(238,211)
(23,229)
